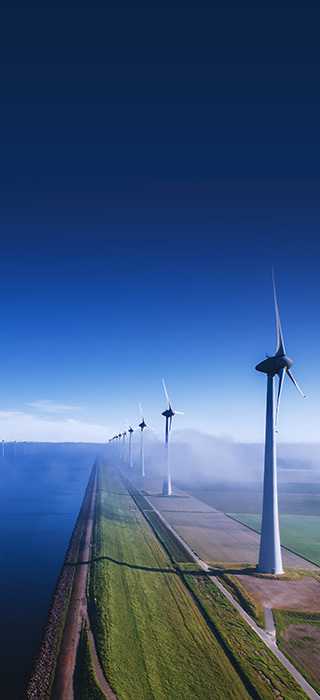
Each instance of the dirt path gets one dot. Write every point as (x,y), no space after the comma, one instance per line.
(63,681)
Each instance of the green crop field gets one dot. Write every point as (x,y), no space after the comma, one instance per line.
(300,533)
(152,639)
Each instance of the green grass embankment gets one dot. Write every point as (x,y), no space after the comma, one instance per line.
(239,593)
(152,639)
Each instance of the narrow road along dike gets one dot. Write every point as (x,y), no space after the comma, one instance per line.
(267,635)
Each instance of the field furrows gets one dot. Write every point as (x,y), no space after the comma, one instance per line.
(216,537)
(300,533)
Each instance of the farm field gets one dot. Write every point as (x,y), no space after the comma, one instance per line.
(300,533)
(180,500)
(152,639)
(297,499)
(298,636)
(216,538)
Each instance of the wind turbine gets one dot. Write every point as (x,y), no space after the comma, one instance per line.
(130,431)
(169,413)
(119,446)
(3,444)
(270,560)
(123,445)
(142,426)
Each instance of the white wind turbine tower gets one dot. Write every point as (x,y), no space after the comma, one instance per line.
(119,446)
(123,445)
(130,431)
(270,560)
(3,444)
(142,426)
(169,413)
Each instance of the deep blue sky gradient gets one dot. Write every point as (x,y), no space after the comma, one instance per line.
(154,163)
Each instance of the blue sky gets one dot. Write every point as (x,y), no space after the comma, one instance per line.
(153,167)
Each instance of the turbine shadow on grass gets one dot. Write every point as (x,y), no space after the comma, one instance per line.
(152,569)
(168,570)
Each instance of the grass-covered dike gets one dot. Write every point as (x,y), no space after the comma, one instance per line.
(151,637)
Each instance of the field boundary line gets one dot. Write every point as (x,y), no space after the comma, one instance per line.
(316,567)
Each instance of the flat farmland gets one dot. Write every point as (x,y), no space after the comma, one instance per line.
(291,502)
(217,538)
(300,533)
(152,640)
(178,502)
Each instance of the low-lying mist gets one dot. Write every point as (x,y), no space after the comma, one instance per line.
(197,458)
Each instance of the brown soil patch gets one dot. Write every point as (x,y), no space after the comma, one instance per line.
(293,595)
(302,644)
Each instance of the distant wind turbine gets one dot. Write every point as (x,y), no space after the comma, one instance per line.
(169,413)
(130,431)
(119,445)
(270,560)
(3,444)
(123,445)
(142,426)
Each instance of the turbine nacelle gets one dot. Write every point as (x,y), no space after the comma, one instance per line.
(130,429)
(272,365)
(168,413)
(278,364)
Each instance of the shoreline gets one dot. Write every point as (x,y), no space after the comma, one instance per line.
(46,656)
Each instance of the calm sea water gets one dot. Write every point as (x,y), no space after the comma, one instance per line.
(41,491)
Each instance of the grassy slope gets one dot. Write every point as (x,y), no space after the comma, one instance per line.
(153,641)
(300,533)
(262,669)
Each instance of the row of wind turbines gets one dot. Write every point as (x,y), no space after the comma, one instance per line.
(168,414)
(270,558)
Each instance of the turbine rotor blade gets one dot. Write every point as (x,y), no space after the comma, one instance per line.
(179,413)
(280,350)
(141,412)
(281,375)
(295,383)
(166,393)
(170,423)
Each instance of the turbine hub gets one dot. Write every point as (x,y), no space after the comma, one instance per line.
(168,413)
(272,365)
